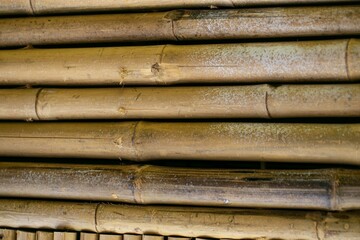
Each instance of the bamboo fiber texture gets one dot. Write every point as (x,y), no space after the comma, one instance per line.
(38,7)
(330,189)
(141,141)
(181,25)
(180,221)
(307,61)
(256,101)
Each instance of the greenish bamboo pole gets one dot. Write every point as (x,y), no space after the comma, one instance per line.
(306,61)
(142,141)
(331,189)
(257,101)
(38,7)
(179,25)
(180,221)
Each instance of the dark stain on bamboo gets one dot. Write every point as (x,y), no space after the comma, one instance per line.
(333,189)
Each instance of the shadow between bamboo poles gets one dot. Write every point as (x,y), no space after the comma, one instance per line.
(258,101)
(333,189)
(179,25)
(180,221)
(141,141)
(35,7)
(306,61)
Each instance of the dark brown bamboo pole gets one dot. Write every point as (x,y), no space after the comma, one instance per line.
(141,141)
(307,61)
(257,101)
(180,221)
(181,25)
(38,7)
(332,189)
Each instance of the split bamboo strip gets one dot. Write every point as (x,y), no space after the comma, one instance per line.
(110,237)
(25,235)
(257,101)
(38,7)
(141,141)
(65,236)
(332,189)
(42,235)
(8,234)
(132,237)
(307,61)
(181,25)
(180,221)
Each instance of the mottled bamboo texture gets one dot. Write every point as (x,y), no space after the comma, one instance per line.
(257,101)
(38,7)
(181,25)
(180,221)
(307,61)
(141,141)
(332,189)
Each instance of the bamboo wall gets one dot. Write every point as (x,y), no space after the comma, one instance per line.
(179,120)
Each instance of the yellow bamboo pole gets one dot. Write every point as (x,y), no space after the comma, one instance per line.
(38,7)
(181,25)
(330,189)
(257,101)
(141,141)
(307,61)
(180,221)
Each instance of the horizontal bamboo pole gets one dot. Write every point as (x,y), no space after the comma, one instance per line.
(141,141)
(258,101)
(181,25)
(180,221)
(38,7)
(331,189)
(307,61)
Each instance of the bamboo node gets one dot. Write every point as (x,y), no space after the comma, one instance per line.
(137,183)
(155,69)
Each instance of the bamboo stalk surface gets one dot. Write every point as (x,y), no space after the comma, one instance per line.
(179,25)
(141,141)
(257,101)
(180,221)
(306,61)
(329,189)
(38,7)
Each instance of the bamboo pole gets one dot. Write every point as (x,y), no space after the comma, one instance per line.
(181,25)
(141,141)
(330,189)
(307,61)
(38,7)
(180,221)
(258,101)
